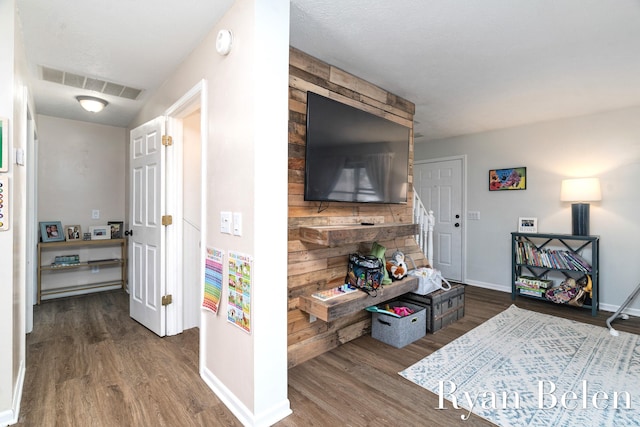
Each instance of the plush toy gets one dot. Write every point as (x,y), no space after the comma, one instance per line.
(589,287)
(396,266)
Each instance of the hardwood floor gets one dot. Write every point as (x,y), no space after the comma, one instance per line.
(89,364)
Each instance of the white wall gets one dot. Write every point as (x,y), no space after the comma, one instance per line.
(605,145)
(80,168)
(247,173)
(13,106)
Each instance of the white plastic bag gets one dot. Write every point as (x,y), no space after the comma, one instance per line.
(430,280)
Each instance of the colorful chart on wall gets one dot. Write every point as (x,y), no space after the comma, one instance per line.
(239,304)
(213,264)
(4,145)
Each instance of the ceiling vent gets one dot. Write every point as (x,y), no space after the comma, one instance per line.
(84,82)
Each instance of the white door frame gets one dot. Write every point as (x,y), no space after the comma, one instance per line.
(31,255)
(194,99)
(463,207)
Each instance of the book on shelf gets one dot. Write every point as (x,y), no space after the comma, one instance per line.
(338,291)
(93,261)
(528,254)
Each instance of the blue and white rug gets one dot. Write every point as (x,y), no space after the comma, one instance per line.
(522,368)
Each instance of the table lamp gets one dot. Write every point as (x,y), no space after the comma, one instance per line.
(580,191)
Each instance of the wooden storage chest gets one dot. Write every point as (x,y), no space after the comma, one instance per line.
(442,307)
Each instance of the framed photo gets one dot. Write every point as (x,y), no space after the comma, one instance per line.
(508,179)
(4,145)
(51,231)
(73,232)
(100,232)
(527,225)
(116,229)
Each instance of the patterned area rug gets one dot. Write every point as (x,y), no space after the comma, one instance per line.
(522,368)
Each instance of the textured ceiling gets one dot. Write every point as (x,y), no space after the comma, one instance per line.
(468,65)
(472,66)
(134,43)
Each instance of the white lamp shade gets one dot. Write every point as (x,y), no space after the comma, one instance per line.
(92,104)
(580,190)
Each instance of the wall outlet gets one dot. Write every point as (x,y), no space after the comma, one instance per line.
(95,214)
(95,269)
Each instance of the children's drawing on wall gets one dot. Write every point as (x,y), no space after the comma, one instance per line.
(239,304)
(213,279)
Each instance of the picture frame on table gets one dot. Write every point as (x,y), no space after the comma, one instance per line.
(527,225)
(100,232)
(116,229)
(73,232)
(51,231)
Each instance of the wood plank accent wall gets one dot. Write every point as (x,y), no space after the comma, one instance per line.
(314,267)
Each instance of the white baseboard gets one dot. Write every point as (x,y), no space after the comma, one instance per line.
(242,413)
(10,416)
(492,286)
(507,288)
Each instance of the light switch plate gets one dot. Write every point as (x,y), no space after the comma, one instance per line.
(237,224)
(473,215)
(95,214)
(225,222)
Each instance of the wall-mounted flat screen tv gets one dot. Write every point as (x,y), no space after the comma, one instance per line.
(354,156)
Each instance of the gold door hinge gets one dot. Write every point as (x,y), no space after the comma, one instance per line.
(167,219)
(167,140)
(167,299)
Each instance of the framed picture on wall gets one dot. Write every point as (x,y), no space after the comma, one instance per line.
(51,231)
(100,232)
(116,229)
(73,232)
(4,145)
(508,179)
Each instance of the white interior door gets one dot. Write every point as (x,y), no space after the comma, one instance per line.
(439,185)
(146,242)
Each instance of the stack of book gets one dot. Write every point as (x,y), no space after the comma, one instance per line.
(533,286)
(62,260)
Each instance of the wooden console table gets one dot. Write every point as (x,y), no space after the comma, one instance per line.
(70,290)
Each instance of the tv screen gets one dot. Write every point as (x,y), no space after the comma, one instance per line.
(354,156)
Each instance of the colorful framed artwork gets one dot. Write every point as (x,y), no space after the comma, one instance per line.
(508,179)
(4,145)
(51,231)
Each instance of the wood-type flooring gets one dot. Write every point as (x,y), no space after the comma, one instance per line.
(90,364)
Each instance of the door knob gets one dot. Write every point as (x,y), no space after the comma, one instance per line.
(457,216)
(128,233)
(457,224)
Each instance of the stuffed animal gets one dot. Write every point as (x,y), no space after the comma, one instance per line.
(396,266)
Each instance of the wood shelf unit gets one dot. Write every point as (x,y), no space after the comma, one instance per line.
(343,305)
(121,262)
(336,235)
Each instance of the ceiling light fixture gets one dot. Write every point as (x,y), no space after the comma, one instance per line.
(91,103)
